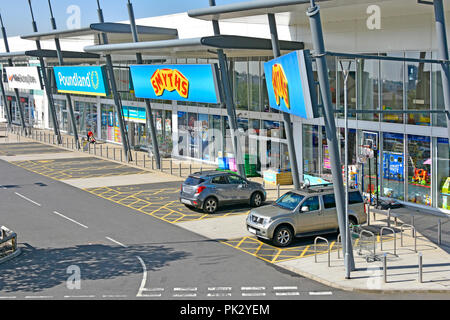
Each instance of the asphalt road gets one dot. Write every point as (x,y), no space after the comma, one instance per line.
(67,234)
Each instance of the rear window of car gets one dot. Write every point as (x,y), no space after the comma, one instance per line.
(355,197)
(193,181)
(328,201)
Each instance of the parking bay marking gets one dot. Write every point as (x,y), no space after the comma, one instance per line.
(28,199)
(74,221)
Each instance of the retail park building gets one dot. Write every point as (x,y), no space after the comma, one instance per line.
(413,150)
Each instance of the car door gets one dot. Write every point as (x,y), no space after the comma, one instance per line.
(240,189)
(222,188)
(309,215)
(329,217)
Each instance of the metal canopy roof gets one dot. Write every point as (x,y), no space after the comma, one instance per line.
(233,46)
(245,9)
(45,53)
(117,33)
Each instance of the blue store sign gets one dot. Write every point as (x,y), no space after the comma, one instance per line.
(179,82)
(89,80)
(290,85)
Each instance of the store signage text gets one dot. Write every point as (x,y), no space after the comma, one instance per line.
(23,77)
(170,80)
(178,82)
(89,80)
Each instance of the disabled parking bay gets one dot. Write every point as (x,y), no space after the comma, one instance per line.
(24,148)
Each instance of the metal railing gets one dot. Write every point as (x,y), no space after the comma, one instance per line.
(8,243)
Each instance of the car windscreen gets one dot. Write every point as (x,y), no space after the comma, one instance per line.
(193,181)
(355,197)
(289,201)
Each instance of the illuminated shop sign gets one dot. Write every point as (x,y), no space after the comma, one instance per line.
(290,84)
(181,82)
(89,80)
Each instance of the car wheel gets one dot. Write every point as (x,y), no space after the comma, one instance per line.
(282,236)
(256,200)
(352,222)
(210,205)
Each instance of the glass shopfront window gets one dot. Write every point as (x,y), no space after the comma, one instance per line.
(393,162)
(310,149)
(392,78)
(418,88)
(255,83)
(419,170)
(240,80)
(110,125)
(437,94)
(351,86)
(61,114)
(443,173)
(368,80)
(86,117)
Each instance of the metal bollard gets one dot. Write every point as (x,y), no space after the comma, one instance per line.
(278,191)
(190,168)
(420,268)
(171,166)
(385,268)
(135,157)
(144,160)
(368,213)
(180,168)
(121,156)
(439,231)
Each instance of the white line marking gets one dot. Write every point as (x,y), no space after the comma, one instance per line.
(152,289)
(184,295)
(219,288)
(63,216)
(285,288)
(287,293)
(320,293)
(38,297)
(184,289)
(144,277)
(153,295)
(252,288)
(218,295)
(114,296)
(10,297)
(28,199)
(116,242)
(88,296)
(256,294)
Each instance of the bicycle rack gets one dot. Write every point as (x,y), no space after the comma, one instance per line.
(395,238)
(315,249)
(413,232)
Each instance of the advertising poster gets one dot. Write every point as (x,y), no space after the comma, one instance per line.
(393,164)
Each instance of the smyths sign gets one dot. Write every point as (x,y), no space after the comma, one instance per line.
(23,78)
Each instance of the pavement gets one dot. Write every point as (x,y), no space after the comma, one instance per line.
(402,273)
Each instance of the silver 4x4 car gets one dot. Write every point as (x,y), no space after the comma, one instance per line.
(303,212)
(210,189)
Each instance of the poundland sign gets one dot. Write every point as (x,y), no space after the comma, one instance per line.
(23,78)
(89,80)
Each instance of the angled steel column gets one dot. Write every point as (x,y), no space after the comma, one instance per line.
(441,36)
(48,92)
(5,102)
(150,122)
(117,100)
(231,111)
(16,91)
(286,116)
(330,129)
(61,63)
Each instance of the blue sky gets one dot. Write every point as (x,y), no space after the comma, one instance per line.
(17,19)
